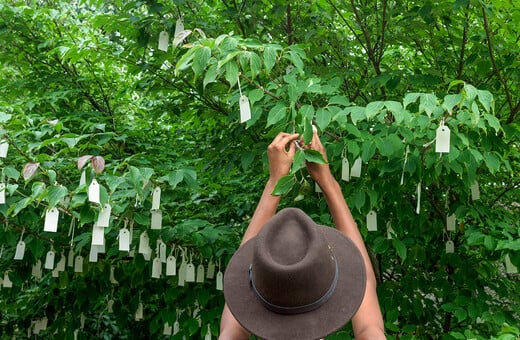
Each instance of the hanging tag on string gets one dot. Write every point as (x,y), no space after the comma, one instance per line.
(450,222)
(220,281)
(405,161)
(2,193)
(179,27)
(475,191)
(190,271)
(176,327)
(167,329)
(418,192)
(208,333)
(83,178)
(7,283)
(163,41)
(144,245)
(200,274)
(51,220)
(442,139)
(156,222)
(245,109)
(60,266)
(110,306)
(345,170)
(450,247)
(93,192)
(36,271)
(70,258)
(4,147)
(210,273)
(162,251)
(156,268)
(389,231)
(156,198)
(93,254)
(171,266)
(112,276)
(124,240)
(356,168)
(182,272)
(371,220)
(510,267)
(98,235)
(139,312)
(78,264)
(104,216)
(20,250)
(49,260)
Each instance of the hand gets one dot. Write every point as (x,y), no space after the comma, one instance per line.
(319,172)
(281,153)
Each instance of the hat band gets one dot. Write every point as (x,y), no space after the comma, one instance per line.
(295,309)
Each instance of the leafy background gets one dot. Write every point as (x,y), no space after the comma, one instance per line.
(377,78)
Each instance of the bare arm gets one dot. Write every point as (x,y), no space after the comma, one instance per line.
(280,153)
(368,321)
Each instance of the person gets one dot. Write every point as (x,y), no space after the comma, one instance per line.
(267,233)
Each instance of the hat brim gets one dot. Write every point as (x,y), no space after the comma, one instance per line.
(327,319)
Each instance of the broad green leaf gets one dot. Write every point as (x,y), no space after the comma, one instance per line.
(11,172)
(307,131)
(276,114)
(368,149)
(428,103)
(410,98)
(307,111)
(493,122)
(298,161)
(450,101)
(475,113)
(210,76)
(323,117)
(231,73)
(357,113)
(284,185)
(339,100)
(400,249)
(314,156)
(486,99)
(373,109)
(471,92)
(256,64)
(492,162)
(201,59)
(186,60)
(54,194)
(269,58)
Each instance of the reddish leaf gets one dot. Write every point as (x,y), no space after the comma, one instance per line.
(98,164)
(29,170)
(83,160)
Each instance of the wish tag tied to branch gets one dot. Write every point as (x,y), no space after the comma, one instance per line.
(2,193)
(245,109)
(163,41)
(98,235)
(171,266)
(210,273)
(442,139)
(93,192)
(450,247)
(156,268)
(4,147)
(156,198)
(372,220)
(7,283)
(124,240)
(450,222)
(475,191)
(220,281)
(345,170)
(156,222)
(104,216)
(200,274)
(20,250)
(51,220)
(356,168)
(49,260)
(78,264)
(36,271)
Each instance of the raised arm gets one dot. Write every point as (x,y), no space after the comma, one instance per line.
(280,154)
(368,321)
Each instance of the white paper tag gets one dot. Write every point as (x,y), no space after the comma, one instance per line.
(144,245)
(450,247)
(171,266)
(510,267)
(104,216)
(176,327)
(442,140)
(475,191)
(49,260)
(356,168)
(210,273)
(112,277)
(345,170)
(110,306)
(317,187)
(60,266)
(179,27)
(156,198)
(78,264)
(2,193)
(182,273)
(200,274)
(98,235)
(55,272)
(162,251)
(20,250)
(404,163)
(220,281)
(389,231)
(37,270)
(51,220)
(418,208)
(372,221)
(190,273)
(83,178)
(4,147)
(245,109)
(156,268)
(93,192)
(208,333)
(156,222)
(93,255)
(124,240)
(139,312)
(7,283)
(70,259)
(450,222)
(167,329)
(163,41)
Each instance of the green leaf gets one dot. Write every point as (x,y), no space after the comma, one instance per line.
(307,131)
(11,172)
(492,162)
(450,101)
(428,103)
(323,118)
(298,161)
(373,109)
(493,122)
(400,249)
(201,59)
(231,73)
(410,98)
(357,113)
(339,100)
(186,60)
(486,99)
(269,58)
(210,76)
(276,114)
(284,185)
(255,63)
(54,194)
(314,156)
(471,92)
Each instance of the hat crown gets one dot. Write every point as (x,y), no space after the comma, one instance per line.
(292,265)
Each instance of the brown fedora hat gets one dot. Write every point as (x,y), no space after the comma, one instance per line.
(295,280)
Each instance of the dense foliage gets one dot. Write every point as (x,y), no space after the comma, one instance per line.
(144,97)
